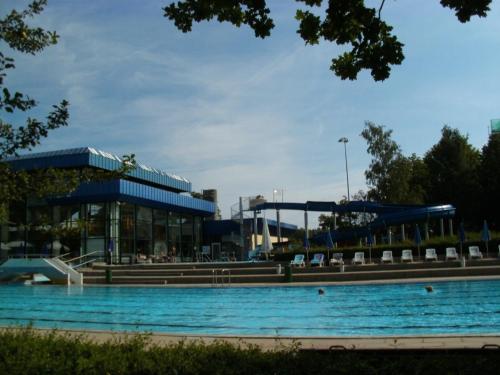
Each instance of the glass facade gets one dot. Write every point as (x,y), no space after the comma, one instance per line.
(131,232)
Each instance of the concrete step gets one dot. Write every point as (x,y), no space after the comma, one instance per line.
(193,265)
(178,272)
(303,277)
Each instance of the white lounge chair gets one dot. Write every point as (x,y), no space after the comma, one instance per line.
(318,260)
(298,261)
(451,253)
(387,257)
(475,253)
(359,258)
(430,255)
(337,258)
(406,256)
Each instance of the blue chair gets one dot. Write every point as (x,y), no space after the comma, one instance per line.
(298,261)
(318,260)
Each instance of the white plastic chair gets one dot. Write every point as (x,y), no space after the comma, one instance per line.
(337,258)
(451,253)
(406,256)
(359,258)
(387,257)
(430,254)
(475,253)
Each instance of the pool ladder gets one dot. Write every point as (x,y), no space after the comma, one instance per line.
(221,278)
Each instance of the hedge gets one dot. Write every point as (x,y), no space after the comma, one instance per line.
(26,351)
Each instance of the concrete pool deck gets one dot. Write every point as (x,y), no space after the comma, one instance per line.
(424,342)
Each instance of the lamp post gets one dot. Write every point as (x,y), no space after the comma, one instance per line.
(278,221)
(344,140)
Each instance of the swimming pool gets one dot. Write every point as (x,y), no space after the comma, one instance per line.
(461,307)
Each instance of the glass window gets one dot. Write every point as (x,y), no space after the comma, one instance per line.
(96,211)
(144,214)
(187,237)
(160,233)
(40,215)
(127,220)
(67,230)
(15,242)
(39,230)
(69,213)
(197,234)
(144,230)
(96,228)
(174,236)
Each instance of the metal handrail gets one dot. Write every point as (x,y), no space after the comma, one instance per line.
(82,256)
(61,256)
(218,279)
(228,275)
(82,264)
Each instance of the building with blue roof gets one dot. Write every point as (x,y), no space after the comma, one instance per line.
(148,213)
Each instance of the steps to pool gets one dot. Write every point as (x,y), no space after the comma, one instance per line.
(227,273)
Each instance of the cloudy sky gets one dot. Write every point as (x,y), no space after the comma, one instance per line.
(244,115)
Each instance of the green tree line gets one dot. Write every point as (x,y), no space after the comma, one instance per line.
(451,172)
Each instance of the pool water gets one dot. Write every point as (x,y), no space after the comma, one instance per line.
(462,307)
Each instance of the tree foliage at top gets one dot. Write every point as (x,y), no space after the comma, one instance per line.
(19,36)
(368,39)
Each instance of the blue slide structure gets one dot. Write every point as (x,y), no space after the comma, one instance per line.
(387,214)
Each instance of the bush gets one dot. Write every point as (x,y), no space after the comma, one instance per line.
(26,351)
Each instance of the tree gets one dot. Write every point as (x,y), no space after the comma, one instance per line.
(392,177)
(346,22)
(348,219)
(453,166)
(490,180)
(15,186)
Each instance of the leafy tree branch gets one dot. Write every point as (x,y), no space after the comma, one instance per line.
(370,42)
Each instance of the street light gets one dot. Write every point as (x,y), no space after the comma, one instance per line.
(278,192)
(278,221)
(344,140)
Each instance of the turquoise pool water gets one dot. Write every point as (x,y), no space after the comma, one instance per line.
(463,307)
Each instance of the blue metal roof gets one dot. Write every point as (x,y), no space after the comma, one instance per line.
(91,157)
(133,192)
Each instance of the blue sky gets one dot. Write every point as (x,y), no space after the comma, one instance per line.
(244,115)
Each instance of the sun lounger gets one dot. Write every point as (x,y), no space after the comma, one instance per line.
(406,256)
(298,261)
(318,260)
(337,258)
(475,253)
(359,258)
(387,257)
(430,254)
(451,253)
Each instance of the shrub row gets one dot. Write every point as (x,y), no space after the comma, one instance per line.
(25,351)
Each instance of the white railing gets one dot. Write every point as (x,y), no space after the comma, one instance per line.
(219,278)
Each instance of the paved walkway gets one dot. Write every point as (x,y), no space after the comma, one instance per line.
(315,343)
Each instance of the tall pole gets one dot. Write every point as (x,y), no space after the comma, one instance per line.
(344,140)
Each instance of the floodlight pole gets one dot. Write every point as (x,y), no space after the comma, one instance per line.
(344,140)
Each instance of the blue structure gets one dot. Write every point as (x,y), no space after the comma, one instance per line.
(387,214)
(146,214)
